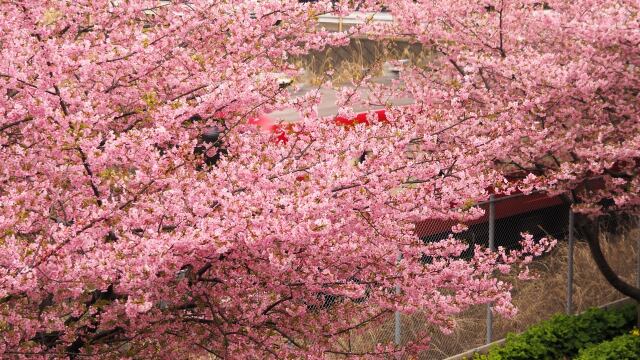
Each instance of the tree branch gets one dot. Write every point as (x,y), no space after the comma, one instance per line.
(589,230)
(87,168)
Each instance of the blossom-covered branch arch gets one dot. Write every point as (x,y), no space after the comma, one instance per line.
(127,233)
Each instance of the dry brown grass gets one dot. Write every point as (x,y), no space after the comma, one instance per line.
(361,57)
(536,300)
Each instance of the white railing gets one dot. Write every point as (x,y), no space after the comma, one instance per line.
(340,23)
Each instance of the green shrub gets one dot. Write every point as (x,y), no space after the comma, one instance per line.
(624,347)
(563,335)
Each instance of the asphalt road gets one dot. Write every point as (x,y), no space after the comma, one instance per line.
(327,106)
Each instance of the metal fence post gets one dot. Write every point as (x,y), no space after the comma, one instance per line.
(492,247)
(569,306)
(638,277)
(397,329)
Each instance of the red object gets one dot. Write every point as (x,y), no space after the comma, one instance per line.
(360,119)
(265,123)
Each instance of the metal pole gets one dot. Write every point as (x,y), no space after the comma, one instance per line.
(638,265)
(638,278)
(492,247)
(397,323)
(637,224)
(569,306)
(398,329)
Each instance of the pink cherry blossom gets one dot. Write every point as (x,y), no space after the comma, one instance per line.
(126,233)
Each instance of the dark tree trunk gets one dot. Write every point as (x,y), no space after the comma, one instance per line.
(589,230)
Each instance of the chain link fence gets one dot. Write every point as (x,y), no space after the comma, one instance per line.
(568,279)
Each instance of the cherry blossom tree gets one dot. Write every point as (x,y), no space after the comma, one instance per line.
(142,215)
(542,93)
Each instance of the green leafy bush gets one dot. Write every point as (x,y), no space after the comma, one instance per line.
(563,335)
(624,347)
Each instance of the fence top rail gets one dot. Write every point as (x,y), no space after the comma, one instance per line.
(507,197)
(356,18)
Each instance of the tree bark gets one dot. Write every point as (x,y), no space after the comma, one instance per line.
(589,229)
